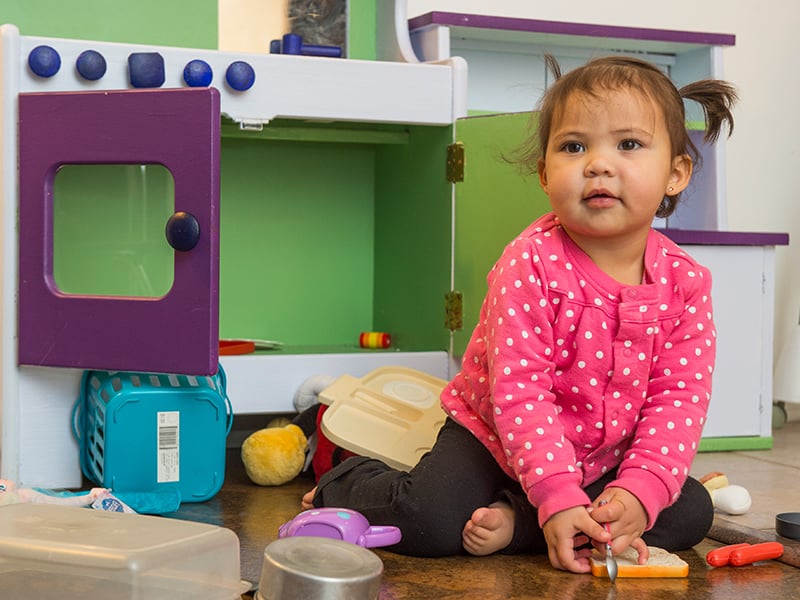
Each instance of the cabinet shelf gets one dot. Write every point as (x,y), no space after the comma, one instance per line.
(310,131)
(259,383)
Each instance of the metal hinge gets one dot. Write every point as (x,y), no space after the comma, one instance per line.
(455,162)
(454,311)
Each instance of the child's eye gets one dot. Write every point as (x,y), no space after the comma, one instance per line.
(572,147)
(629,145)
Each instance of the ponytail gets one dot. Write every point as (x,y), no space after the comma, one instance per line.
(716,98)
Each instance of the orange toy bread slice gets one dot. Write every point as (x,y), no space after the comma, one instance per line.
(660,564)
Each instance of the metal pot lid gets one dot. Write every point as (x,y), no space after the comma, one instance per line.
(311,568)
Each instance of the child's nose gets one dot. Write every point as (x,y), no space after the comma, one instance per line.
(597,163)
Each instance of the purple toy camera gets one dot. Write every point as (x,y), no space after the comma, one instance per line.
(340,524)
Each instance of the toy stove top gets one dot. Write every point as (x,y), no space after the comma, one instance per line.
(254,88)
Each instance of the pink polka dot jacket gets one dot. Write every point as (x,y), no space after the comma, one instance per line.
(570,373)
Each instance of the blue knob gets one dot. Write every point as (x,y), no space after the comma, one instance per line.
(91,65)
(240,76)
(292,44)
(146,69)
(198,73)
(182,231)
(44,61)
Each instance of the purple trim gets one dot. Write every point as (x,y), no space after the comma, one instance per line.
(562,28)
(177,333)
(725,238)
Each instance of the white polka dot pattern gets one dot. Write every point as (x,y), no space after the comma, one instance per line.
(570,373)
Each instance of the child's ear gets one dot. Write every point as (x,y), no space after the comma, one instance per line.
(681,174)
(540,167)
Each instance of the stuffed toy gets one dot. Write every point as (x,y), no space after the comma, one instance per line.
(275,454)
(280,452)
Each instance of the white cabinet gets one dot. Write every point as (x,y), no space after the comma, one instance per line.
(742,270)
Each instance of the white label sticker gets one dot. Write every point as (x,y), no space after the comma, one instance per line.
(169,437)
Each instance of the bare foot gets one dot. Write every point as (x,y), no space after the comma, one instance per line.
(490,529)
(308,499)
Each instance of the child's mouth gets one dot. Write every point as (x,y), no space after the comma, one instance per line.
(600,198)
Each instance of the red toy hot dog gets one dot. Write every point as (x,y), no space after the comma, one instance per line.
(744,554)
(722,556)
(756,552)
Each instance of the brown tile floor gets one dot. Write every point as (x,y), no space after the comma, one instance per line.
(771,476)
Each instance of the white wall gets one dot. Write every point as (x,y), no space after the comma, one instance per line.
(250,25)
(763,164)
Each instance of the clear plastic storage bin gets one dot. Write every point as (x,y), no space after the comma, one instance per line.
(49,551)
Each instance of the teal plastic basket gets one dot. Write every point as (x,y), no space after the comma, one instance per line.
(144,432)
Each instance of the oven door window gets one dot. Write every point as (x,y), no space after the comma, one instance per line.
(108,230)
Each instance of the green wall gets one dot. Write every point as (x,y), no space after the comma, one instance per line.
(189,23)
(296,241)
(361,29)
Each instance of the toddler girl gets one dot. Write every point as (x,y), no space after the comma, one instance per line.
(584,388)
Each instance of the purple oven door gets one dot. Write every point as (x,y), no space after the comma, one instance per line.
(176,331)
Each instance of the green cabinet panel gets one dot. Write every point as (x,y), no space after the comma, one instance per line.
(493,204)
(296,241)
(412,239)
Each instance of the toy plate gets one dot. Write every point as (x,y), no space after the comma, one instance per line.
(392,414)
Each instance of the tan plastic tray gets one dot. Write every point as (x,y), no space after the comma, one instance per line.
(392,414)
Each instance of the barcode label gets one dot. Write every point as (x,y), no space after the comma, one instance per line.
(169,438)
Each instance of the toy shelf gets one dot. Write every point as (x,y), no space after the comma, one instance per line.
(334,218)
(258,383)
(321,240)
(332,202)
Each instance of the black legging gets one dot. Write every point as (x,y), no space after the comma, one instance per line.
(432,503)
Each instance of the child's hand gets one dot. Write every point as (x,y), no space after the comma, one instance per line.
(627,520)
(567,534)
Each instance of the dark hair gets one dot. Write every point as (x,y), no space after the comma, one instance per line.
(614,72)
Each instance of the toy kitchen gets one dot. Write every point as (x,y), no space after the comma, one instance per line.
(158,199)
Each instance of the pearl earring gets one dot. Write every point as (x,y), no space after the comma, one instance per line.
(669,189)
